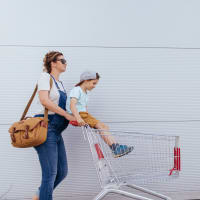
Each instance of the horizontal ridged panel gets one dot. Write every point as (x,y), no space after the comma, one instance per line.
(136,85)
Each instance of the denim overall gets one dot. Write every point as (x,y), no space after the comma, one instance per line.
(52,153)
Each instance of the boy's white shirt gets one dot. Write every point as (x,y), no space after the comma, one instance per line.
(82,99)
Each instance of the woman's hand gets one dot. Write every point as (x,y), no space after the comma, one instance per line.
(70,117)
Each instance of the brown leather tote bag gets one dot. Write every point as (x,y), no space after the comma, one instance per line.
(30,131)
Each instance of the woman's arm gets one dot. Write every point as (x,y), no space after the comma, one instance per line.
(73,102)
(47,103)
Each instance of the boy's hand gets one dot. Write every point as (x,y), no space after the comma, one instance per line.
(81,122)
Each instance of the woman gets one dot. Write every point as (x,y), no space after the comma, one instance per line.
(51,153)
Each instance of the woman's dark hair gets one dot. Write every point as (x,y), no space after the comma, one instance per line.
(80,83)
(50,57)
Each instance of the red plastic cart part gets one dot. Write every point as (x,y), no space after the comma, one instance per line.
(99,152)
(74,123)
(177,160)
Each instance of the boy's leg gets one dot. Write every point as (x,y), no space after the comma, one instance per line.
(107,137)
(117,149)
(94,123)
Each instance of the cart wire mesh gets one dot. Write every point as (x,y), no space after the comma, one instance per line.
(153,158)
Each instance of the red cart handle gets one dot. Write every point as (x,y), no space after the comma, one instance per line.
(74,123)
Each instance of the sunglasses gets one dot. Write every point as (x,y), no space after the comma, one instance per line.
(63,61)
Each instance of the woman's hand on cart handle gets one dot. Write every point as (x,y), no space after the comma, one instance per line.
(75,123)
(69,117)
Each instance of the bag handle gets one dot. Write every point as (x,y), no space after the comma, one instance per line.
(31,99)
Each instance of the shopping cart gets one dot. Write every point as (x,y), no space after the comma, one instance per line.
(155,158)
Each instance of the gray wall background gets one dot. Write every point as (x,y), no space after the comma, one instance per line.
(148,55)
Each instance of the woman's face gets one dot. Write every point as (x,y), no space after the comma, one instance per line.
(60,64)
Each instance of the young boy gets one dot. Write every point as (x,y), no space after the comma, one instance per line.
(77,105)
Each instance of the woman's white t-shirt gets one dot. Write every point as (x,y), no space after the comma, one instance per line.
(44,84)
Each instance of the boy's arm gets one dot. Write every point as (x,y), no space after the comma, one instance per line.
(75,112)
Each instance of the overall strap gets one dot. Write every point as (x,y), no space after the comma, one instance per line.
(63,86)
(57,84)
(30,101)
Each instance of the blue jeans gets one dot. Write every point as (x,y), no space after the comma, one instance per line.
(53,161)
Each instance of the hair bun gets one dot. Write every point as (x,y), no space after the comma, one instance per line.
(48,58)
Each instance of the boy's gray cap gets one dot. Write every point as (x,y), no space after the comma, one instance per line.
(87,75)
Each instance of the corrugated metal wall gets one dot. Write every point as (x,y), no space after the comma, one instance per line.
(152,90)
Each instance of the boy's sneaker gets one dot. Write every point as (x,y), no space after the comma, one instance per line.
(121,150)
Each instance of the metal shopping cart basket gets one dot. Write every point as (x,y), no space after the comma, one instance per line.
(155,158)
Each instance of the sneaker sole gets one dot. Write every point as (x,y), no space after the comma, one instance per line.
(117,156)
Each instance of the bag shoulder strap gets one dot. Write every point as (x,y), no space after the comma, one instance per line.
(31,99)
